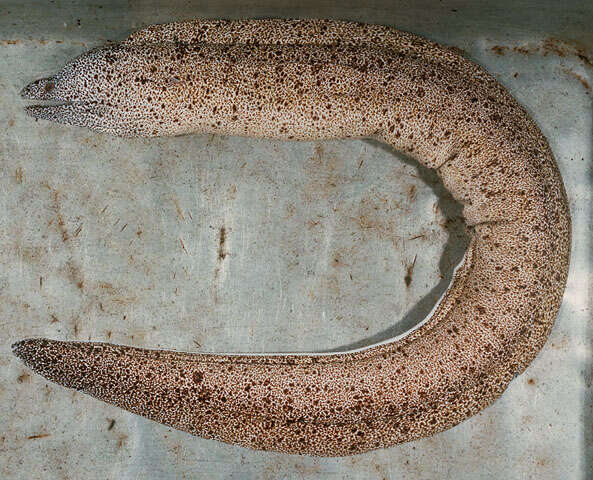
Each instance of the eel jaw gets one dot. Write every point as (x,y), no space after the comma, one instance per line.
(69,110)
(81,114)
(92,115)
(89,114)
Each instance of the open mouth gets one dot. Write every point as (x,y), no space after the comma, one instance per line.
(44,89)
(59,109)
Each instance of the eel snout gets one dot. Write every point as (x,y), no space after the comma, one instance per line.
(65,107)
(42,89)
(93,91)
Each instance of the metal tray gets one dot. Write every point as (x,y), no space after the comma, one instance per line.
(325,245)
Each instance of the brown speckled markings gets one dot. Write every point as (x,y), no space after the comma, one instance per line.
(316,79)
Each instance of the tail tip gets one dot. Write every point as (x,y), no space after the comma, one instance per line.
(27,348)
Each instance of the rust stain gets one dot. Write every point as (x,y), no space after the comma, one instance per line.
(328,287)
(550,46)
(563,345)
(54,319)
(177,450)
(62,227)
(318,151)
(74,274)
(60,219)
(325,175)
(40,41)
(23,377)
(290,210)
(499,50)
(584,82)
(121,441)
(19,175)
(179,211)
(139,232)
(311,224)
(122,300)
(306,470)
(373,216)
(221,244)
(40,435)
(338,261)
(232,192)
(531,381)
(107,286)
(410,272)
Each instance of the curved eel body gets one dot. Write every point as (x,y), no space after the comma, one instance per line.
(319,79)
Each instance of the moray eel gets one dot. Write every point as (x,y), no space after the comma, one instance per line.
(321,79)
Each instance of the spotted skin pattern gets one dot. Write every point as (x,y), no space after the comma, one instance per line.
(320,79)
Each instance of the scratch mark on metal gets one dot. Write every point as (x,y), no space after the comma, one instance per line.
(183,245)
(179,211)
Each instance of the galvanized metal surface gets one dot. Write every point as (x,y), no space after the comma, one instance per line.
(228,244)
